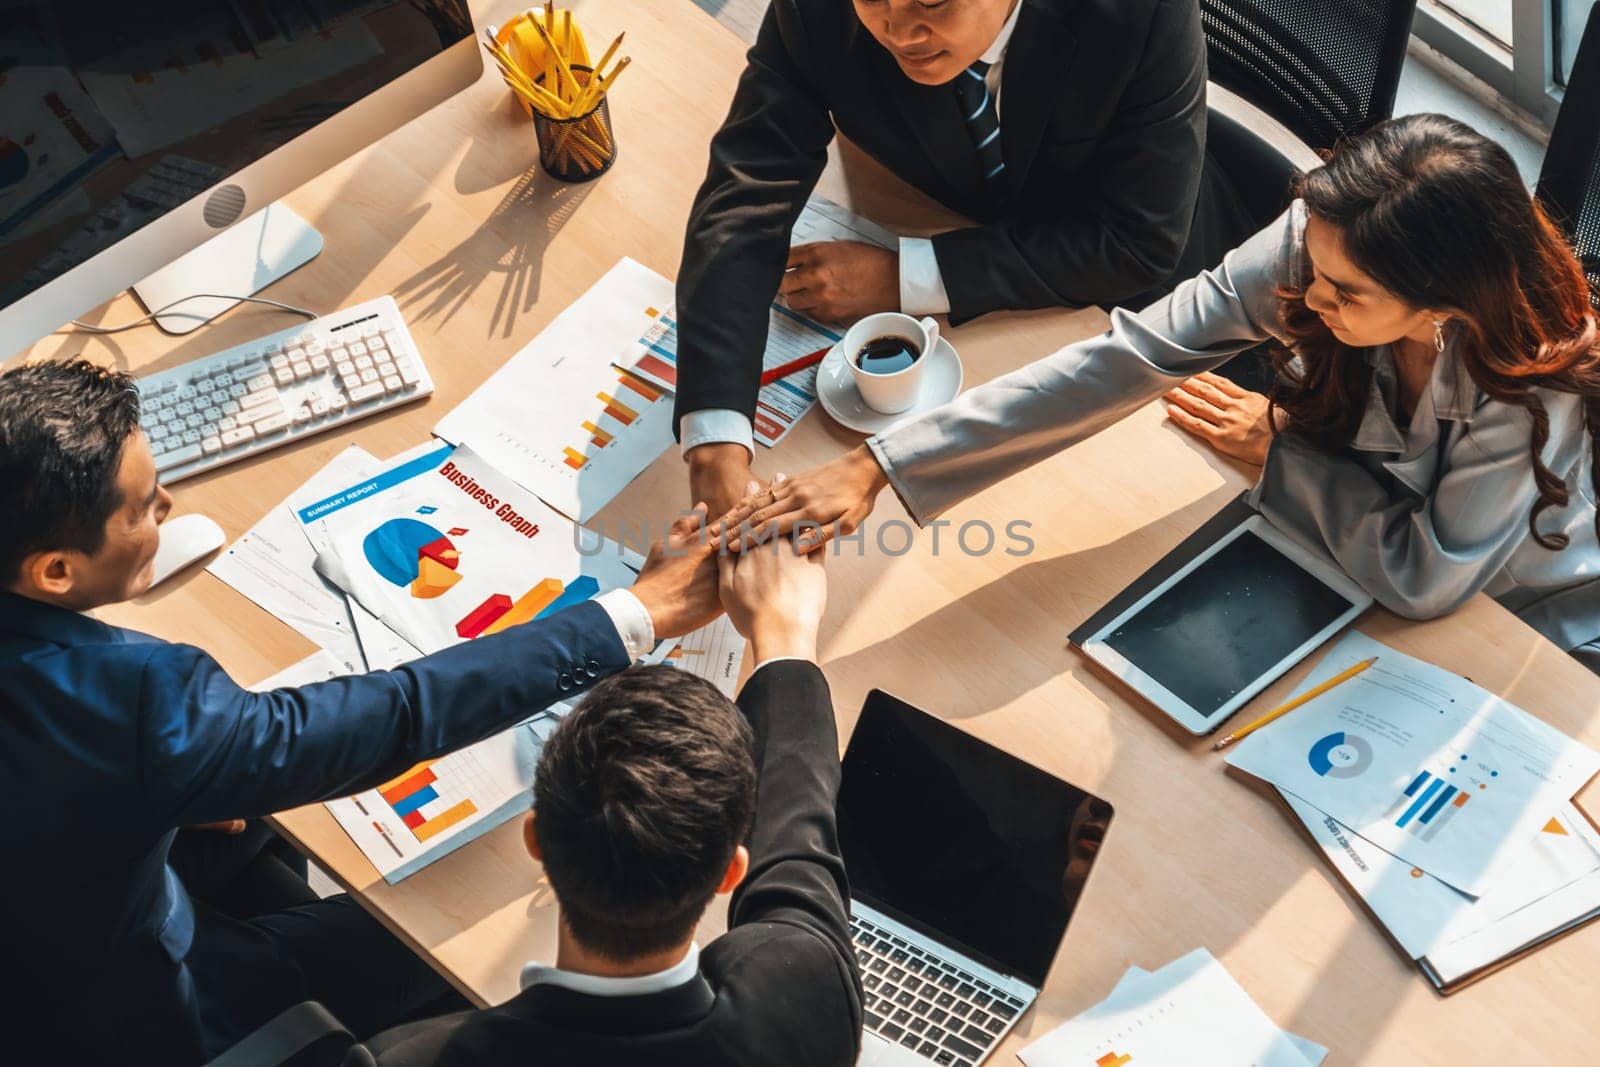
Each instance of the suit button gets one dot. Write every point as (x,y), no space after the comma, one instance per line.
(592,669)
(564,682)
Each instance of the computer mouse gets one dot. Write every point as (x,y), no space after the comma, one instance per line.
(184,540)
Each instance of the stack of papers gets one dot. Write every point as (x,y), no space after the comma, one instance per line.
(790,335)
(1448,810)
(1191,1012)
(379,562)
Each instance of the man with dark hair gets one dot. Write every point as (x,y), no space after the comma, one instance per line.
(116,740)
(1072,133)
(654,796)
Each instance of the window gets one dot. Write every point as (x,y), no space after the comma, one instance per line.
(1522,49)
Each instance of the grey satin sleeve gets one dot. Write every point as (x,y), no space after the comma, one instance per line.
(1007,425)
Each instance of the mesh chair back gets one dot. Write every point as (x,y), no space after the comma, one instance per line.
(1569,180)
(1323,68)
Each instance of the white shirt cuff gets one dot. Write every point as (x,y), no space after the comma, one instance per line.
(632,620)
(711,426)
(921,284)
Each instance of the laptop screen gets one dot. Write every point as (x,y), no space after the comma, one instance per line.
(957,839)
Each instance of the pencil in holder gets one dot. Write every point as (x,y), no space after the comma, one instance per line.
(580,148)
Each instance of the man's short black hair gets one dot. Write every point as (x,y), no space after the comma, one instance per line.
(642,796)
(62,430)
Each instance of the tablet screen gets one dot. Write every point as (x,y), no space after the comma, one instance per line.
(1226,623)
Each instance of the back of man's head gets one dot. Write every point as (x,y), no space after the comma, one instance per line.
(642,797)
(63,426)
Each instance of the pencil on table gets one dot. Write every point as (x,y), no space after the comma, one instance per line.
(1303,698)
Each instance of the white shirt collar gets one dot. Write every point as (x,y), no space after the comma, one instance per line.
(997,50)
(596,986)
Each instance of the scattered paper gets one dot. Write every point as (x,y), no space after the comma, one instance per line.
(1189,1012)
(273,565)
(558,417)
(320,666)
(714,652)
(1431,768)
(1424,914)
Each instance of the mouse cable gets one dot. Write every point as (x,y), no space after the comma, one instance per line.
(84,327)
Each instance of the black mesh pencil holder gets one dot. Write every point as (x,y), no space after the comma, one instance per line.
(581,148)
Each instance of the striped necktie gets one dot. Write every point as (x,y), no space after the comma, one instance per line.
(983,124)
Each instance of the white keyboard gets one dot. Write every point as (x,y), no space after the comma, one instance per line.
(276,389)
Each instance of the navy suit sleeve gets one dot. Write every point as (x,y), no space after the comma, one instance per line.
(797,871)
(1128,234)
(765,160)
(212,750)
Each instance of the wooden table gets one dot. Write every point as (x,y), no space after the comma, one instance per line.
(453,217)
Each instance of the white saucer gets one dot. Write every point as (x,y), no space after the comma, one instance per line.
(836,388)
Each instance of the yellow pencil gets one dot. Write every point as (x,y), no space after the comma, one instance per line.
(1303,698)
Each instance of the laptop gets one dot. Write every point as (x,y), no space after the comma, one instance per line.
(965,865)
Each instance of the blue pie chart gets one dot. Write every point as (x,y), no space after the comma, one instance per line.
(1341,755)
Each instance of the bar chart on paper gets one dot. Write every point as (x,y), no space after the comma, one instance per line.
(439,805)
(559,417)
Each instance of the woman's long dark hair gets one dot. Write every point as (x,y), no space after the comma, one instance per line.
(1437,214)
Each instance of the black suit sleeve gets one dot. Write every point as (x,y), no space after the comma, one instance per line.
(1122,232)
(796,870)
(765,160)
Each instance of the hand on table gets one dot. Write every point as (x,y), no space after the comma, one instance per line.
(1229,418)
(774,596)
(678,584)
(718,475)
(822,503)
(841,281)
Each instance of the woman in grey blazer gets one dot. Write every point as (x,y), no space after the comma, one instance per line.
(1437,388)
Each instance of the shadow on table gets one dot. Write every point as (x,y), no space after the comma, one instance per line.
(508,246)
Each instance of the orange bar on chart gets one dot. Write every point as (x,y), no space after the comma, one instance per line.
(396,789)
(575,459)
(444,820)
(616,409)
(600,438)
(528,605)
(649,392)
(1111,1059)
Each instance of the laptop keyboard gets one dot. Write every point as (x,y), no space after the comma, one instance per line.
(934,1008)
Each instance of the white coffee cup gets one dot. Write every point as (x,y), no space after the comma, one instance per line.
(898,391)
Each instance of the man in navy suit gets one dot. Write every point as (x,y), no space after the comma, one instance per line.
(111,741)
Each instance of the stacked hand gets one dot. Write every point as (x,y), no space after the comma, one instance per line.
(678,584)
(816,506)
(774,596)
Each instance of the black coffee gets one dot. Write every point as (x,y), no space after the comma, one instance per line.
(886,355)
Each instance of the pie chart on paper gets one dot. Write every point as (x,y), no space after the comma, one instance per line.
(1341,755)
(412,554)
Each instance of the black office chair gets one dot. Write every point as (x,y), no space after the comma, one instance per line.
(1569,179)
(306,1035)
(1322,68)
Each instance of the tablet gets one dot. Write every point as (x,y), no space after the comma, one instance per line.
(1222,628)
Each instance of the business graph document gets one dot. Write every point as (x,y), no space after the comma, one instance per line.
(1422,763)
(1190,1012)
(443,548)
(790,335)
(1424,914)
(559,417)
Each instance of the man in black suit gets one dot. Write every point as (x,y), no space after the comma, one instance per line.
(1071,131)
(643,801)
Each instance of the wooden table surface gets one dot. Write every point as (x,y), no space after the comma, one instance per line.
(453,217)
